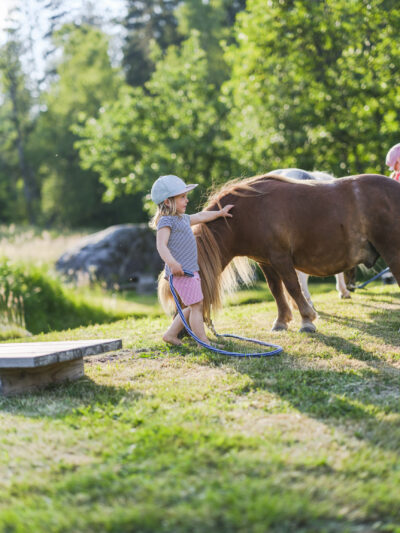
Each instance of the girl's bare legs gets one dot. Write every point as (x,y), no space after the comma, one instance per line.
(196,321)
(171,335)
(194,316)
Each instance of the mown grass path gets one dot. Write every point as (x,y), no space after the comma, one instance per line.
(182,440)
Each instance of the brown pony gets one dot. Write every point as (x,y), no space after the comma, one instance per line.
(320,228)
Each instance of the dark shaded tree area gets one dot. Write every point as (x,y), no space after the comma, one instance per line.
(15,131)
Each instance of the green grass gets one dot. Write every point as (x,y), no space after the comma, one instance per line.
(40,300)
(124,302)
(158,439)
(31,244)
(35,298)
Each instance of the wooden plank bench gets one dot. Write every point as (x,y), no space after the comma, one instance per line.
(28,366)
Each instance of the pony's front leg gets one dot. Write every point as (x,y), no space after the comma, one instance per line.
(276,288)
(341,286)
(350,279)
(303,280)
(284,267)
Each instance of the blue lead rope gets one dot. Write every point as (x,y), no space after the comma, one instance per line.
(277,348)
(373,278)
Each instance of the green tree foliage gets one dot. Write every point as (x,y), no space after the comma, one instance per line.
(86,80)
(10,185)
(214,21)
(173,126)
(315,85)
(16,127)
(19,190)
(147,21)
(280,83)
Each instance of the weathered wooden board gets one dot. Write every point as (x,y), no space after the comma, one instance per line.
(31,365)
(20,380)
(33,354)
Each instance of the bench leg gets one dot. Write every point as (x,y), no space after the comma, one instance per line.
(20,380)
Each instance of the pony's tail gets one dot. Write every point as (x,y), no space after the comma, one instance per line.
(164,295)
(240,271)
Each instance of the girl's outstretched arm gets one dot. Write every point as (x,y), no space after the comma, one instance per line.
(207,216)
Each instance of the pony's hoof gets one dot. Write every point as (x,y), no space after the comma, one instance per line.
(346,296)
(308,328)
(279,327)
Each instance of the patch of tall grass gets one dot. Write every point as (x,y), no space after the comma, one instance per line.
(37,245)
(12,316)
(34,298)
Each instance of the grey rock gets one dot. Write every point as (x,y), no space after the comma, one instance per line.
(121,257)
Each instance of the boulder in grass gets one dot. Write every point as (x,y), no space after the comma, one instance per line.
(122,257)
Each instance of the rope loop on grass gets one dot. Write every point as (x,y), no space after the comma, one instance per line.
(276,348)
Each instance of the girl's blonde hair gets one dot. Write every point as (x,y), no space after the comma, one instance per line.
(163,210)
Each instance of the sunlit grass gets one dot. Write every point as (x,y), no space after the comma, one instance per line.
(128,302)
(180,439)
(28,277)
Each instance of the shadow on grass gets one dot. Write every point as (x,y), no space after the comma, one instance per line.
(387,293)
(384,325)
(355,398)
(71,397)
(353,402)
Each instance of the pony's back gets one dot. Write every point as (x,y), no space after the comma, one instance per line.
(322,176)
(300,174)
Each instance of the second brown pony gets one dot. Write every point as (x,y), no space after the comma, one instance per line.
(320,228)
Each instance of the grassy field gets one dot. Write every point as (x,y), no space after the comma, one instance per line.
(158,439)
(34,298)
(32,244)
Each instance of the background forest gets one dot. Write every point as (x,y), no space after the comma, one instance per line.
(207,90)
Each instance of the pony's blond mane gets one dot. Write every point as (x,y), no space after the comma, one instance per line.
(247,187)
(237,186)
(215,282)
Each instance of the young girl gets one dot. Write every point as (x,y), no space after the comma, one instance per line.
(393,161)
(177,247)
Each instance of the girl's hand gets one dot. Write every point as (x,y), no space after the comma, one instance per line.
(224,212)
(176,269)
(208,216)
